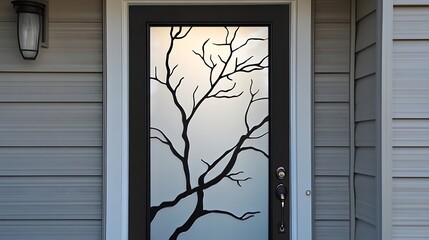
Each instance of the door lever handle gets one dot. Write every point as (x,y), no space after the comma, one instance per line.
(281,192)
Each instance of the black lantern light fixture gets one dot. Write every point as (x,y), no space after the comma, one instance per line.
(31,27)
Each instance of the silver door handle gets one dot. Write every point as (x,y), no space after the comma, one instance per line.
(281,192)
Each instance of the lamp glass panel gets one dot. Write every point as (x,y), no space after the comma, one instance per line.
(29,32)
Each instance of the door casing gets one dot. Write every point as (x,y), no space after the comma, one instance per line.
(275,18)
(115,116)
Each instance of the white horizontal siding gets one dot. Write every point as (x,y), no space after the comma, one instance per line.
(332,200)
(410,162)
(410,57)
(45,161)
(329,230)
(410,202)
(411,2)
(51,229)
(410,232)
(410,81)
(411,99)
(50,198)
(331,124)
(331,87)
(410,212)
(411,22)
(51,87)
(73,47)
(411,133)
(332,47)
(332,161)
(50,124)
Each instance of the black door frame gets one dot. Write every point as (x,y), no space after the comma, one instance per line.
(278,18)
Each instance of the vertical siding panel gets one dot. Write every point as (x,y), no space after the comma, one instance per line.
(365,98)
(365,7)
(365,62)
(365,134)
(365,231)
(366,161)
(366,196)
(366,145)
(366,33)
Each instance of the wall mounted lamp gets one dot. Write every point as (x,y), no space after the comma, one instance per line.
(31,27)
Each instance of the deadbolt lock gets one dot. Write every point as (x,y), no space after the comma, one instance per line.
(281,173)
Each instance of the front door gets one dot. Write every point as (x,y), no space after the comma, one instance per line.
(209,122)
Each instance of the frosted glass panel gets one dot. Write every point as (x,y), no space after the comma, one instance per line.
(209,152)
(29,30)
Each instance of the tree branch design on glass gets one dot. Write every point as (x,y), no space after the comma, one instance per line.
(209,128)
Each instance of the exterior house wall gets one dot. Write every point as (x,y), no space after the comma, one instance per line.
(51,123)
(410,120)
(51,127)
(332,185)
(365,120)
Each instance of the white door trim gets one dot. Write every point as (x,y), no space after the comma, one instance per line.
(116,113)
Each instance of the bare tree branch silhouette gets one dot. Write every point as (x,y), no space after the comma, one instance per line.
(217,73)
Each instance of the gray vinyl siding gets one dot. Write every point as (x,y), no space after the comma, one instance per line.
(51,127)
(410,126)
(365,162)
(331,204)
